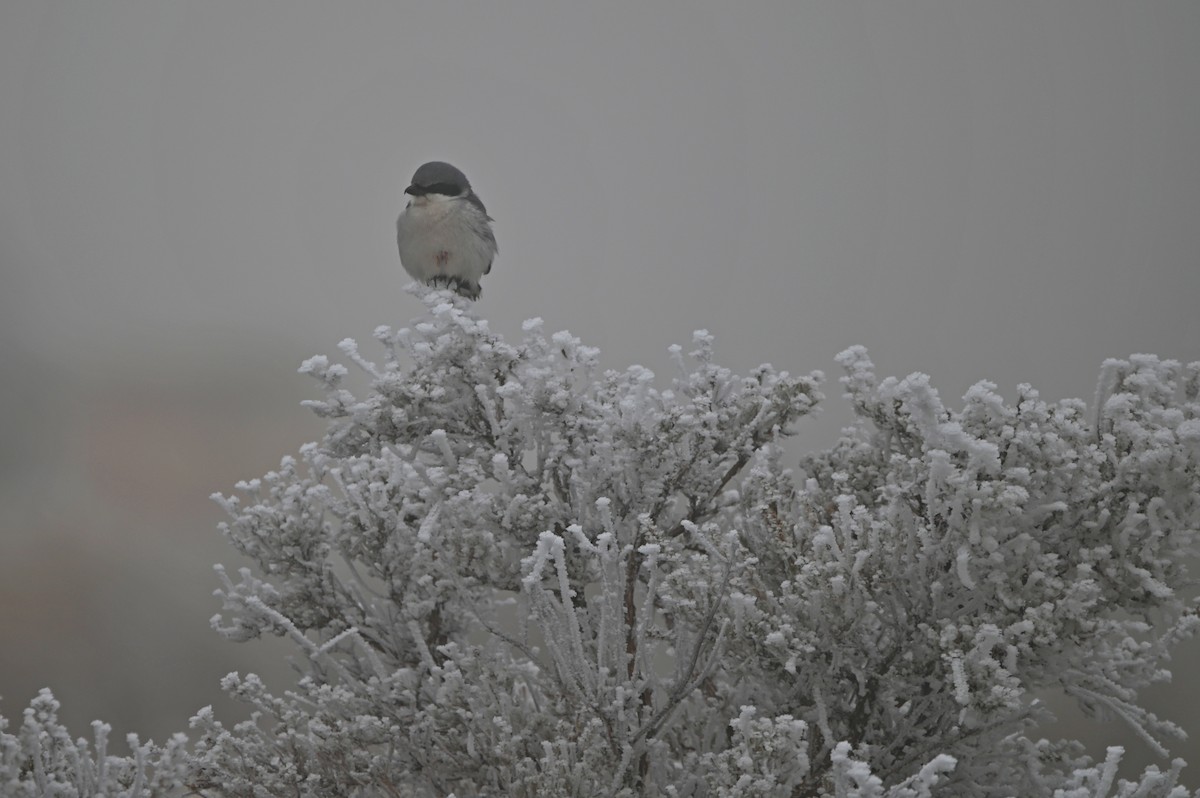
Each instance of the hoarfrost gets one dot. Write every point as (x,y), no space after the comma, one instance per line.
(509,573)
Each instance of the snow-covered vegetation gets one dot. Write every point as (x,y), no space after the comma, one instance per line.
(509,573)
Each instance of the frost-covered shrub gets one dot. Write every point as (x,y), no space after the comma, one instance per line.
(509,573)
(513,574)
(42,760)
(934,568)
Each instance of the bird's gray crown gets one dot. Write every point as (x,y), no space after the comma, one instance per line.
(438,177)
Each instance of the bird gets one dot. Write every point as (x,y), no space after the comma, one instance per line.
(444,233)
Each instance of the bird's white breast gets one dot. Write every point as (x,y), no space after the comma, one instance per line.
(440,236)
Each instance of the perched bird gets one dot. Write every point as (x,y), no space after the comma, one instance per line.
(444,233)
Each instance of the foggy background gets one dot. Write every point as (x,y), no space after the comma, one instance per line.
(195,197)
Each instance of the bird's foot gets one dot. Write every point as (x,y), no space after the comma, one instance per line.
(455,284)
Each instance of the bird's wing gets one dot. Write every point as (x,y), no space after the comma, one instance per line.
(485,229)
(474,199)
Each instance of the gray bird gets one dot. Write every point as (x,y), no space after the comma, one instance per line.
(444,233)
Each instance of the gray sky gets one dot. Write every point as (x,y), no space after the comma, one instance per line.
(194,197)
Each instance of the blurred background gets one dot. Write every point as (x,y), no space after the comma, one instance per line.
(195,197)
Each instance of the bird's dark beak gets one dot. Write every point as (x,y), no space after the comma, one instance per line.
(415,190)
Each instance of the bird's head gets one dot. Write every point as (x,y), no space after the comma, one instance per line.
(438,180)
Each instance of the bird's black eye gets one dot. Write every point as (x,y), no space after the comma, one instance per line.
(445,189)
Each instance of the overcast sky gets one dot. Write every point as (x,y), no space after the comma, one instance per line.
(1003,190)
